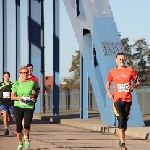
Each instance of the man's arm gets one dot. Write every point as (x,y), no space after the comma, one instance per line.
(108,89)
(137,83)
(38,87)
(137,80)
(108,83)
(108,86)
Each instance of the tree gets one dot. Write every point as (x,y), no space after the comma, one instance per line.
(140,56)
(74,80)
(70,83)
(48,88)
(127,51)
(75,67)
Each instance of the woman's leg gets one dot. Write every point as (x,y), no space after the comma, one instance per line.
(27,121)
(18,113)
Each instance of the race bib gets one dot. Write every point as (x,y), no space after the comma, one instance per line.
(122,87)
(25,100)
(6,94)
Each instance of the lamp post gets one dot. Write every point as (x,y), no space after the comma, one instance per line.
(42,60)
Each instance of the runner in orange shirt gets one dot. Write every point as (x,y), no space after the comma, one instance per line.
(122,77)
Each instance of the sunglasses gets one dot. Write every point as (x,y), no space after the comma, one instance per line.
(24,72)
(122,59)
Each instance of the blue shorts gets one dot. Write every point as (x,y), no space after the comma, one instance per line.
(9,109)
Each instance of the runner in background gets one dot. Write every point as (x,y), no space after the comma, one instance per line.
(34,78)
(7,108)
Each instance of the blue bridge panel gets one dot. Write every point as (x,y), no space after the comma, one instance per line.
(34,21)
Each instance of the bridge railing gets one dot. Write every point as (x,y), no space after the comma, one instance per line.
(70,100)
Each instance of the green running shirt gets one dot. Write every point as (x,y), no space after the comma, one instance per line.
(24,89)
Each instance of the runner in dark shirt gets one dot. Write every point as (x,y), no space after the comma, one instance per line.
(7,105)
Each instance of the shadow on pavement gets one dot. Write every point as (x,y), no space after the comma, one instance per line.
(66,115)
(45,118)
(76,115)
(147,122)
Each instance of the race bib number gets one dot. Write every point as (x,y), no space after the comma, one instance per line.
(6,94)
(122,87)
(25,100)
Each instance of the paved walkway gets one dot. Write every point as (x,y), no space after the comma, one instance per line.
(68,132)
(50,136)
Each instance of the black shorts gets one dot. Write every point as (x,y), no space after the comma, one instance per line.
(21,113)
(122,111)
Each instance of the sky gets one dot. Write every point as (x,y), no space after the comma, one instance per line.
(132,19)
(68,41)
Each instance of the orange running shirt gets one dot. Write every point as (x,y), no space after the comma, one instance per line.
(122,77)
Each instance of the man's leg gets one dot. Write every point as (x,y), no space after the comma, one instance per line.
(11,114)
(27,121)
(5,110)
(121,133)
(1,109)
(119,110)
(127,112)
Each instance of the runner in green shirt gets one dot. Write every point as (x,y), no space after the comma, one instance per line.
(24,99)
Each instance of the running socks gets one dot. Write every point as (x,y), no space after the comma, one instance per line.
(20,143)
(25,137)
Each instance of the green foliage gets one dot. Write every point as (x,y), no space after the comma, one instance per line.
(74,80)
(140,56)
(70,83)
(75,67)
(128,51)
(48,88)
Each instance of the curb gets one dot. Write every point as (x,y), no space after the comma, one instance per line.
(132,133)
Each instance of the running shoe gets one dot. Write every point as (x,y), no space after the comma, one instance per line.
(6,132)
(20,146)
(119,143)
(27,143)
(123,148)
